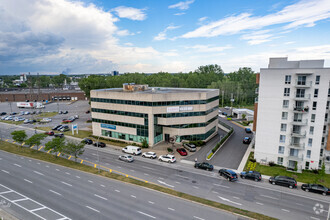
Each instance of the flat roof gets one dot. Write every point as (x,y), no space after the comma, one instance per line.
(42,91)
(158,90)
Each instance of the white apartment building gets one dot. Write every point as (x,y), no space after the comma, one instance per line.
(292,114)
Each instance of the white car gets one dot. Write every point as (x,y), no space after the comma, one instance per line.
(127,158)
(9,118)
(46,120)
(149,154)
(16,119)
(167,158)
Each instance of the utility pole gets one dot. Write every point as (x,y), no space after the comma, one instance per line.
(231,103)
(38,83)
(223,93)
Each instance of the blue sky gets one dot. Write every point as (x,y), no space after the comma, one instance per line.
(92,36)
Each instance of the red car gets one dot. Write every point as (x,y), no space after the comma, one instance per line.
(67,120)
(182,151)
(50,133)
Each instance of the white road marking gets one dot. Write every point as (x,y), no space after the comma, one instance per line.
(196,187)
(269,197)
(38,163)
(227,200)
(221,185)
(285,210)
(94,154)
(180,176)
(28,181)
(67,173)
(55,192)
(95,210)
(215,192)
(198,218)
(6,192)
(132,170)
(171,209)
(90,181)
(47,166)
(100,197)
(258,203)
(17,165)
(66,183)
(299,204)
(118,166)
(117,190)
(148,168)
(78,177)
(235,197)
(314,218)
(5,171)
(151,202)
(57,169)
(30,160)
(18,200)
(177,182)
(146,174)
(37,209)
(38,173)
(133,196)
(146,214)
(161,178)
(165,183)
(102,185)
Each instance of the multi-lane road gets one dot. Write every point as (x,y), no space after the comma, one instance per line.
(275,201)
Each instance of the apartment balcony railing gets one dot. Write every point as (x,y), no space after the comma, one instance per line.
(300,134)
(296,157)
(300,109)
(299,122)
(300,146)
(302,97)
(257,90)
(256,99)
(303,84)
(327,159)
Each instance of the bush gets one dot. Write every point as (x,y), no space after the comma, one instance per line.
(272,164)
(89,121)
(169,150)
(252,160)
(229,119)
(197,143)
(316,171)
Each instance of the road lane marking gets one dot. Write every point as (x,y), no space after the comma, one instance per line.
(38,163)
(221,185)
(102,185)
(198,218)
(30,160)
(299,204)
(146,174)
(38,173)
(181,176)
(28,181)
(258,203)
(151,202)
(95,210)
(133,196)
(161,178)
(196,187)
(177,182)
(17,165)
(100,197)
(55,192)
(117,190)
(67,173)
(269,197)
(148,168)
(66,183)
(146,214)
(171,209)
(5,171)
(285,210)
(227,200)
(314,218)
(235,197)
(57,170)
(132,170)
(90,181)
(118,166)
(47,166)
(165,183)
(215,192)
(78,177)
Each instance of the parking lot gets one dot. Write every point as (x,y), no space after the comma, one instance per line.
(76,108)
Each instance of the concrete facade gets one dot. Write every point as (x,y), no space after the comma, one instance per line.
(293,114)
(156,114)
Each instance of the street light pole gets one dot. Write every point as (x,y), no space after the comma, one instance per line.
(97,150)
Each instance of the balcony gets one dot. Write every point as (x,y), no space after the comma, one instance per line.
(327,159)
(296,157)
(303,84)
(300,109)
(257,90)
(299,146)
(301,122)
(301,97)
(300,134)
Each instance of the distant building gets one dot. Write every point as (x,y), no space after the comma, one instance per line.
(115,73)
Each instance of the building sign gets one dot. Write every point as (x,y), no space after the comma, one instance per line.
(74,128)
(113,127)
(179,109)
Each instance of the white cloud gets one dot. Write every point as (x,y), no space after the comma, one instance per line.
(182,5)
(257,37)
(208,48)
(303,13)
(162,35)
(202,19)
(124,33)
(130,13)
(181,13)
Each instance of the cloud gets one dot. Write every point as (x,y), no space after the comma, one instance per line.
(208,48)
(181,13)
(304,13)
(130,13)
(257,37)
(182,5)
(162,35)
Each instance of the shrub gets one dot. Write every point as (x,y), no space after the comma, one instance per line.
(229,119)
(316,171)
(169,150)
(197,143)
(89,121)
(271,164)
(252,160)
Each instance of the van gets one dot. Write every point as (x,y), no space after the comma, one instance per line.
(190,147)
(132,150)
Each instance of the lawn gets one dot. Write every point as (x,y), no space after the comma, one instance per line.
(47,114)
(12,148)
(12,122)
(304,177)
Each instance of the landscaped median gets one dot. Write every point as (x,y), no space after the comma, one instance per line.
(12,148)
(219,144)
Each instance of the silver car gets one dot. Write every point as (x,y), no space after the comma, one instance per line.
(149,154)
(127,158)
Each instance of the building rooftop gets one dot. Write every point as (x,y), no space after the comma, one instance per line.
(35,91)
(283,63)
(158,90)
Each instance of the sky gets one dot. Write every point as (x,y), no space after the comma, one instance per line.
(150,36)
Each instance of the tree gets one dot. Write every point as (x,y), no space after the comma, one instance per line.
(19,136)
(74,149)
(144,143)
(56,145)
(35,140)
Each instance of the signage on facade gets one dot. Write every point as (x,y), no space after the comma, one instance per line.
(179,109)
(113,127)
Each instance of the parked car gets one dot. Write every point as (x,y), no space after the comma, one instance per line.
(29,121)
(99,144)
(228,174)
(60,127)
(46,120)
(132,150)
(26,113)
(248,130)
(87,112)
(224,113)
(87,141)
(56,127)
(190,147)
(65,128)
(13,113)
(9,118)
(60,112)
(60,135)
(149,154)
(283,181)
(127,158)
(67,120)
(3,113)
(50,133)
(76,116)
(204,166)
(167,158)
(65,112)
(182,151)
(252,175)
(247,140)
(316,188)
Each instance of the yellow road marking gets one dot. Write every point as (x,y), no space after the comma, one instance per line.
(31,146)
(40,148)
(14,142)
(110,170)
(95,165)
(82,161)
(70,157)
(48,151)
(58,154)
(7,140)
(23,143)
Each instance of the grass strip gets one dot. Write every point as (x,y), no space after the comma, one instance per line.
(12,148)
(12,122)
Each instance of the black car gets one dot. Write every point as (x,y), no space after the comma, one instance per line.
(56,127)
(204,166)
(59,128)
(99,144)
(3,113)
(13,113)
(87,141)
(228,174)
(316,188)
(252,175)
(247,140)
(283,181)
(65,112)
(60,135)
(60,112)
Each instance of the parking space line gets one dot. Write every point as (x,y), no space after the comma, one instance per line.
(18,200)
(6,192)
(5,171)
(285,210)
(95,210)
(28,181)
(68,184)
(40,148)
(37,209)
(55,192)
(146,214)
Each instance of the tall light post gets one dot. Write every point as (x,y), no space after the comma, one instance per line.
(97,152)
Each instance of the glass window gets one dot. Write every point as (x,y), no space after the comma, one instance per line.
(287,79)
(301,80)
(284,115)
(322,142)
(329,92)
(308,155)
(311,130)
(307,165)
(300,93)
(280,160)
(317,80)
(282,138)
(313,118)
(285,103)
(281,149)
(326,117)
(324,129)
(314,105)
(310,142)
(283,127)
(321,153)
(316,93)
(328,103)
(286,91)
